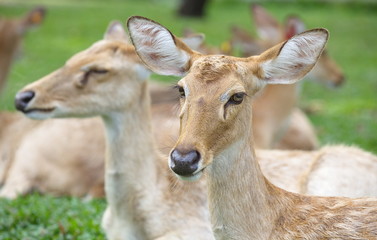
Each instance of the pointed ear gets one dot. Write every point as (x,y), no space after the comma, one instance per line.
(293,25)
(160,50)
(34,18)
(290,61)
(116,32)
(268,28)
(194,41)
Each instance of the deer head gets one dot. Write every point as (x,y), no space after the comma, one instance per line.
(105,77)
(216,91)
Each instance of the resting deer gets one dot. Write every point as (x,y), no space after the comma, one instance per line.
(216,133)
(145,201)
(11,33)
(37,156)
(51,157)
(283,125)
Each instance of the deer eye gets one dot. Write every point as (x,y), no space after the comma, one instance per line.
(97,71)
(89,72)
(236,98)
(180,90)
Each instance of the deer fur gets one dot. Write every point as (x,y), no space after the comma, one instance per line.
(80,173)
(216,94)
(12,31)
(32,160)
(145,201)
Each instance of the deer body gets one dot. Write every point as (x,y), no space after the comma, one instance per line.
(216,132)
(259,210)
(144,200)
(37,155)
(58,157)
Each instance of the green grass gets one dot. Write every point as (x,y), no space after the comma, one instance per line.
(38,217)
(347,115)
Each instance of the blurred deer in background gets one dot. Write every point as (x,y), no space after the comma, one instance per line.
(11,33)
(283,125)
(216,139)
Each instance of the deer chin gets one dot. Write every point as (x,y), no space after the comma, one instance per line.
(40,113)
(193,177)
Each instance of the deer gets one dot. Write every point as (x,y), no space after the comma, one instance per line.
(285,126)
(216,138)
(39,158)
(51,157)
(144,199)
(12,31)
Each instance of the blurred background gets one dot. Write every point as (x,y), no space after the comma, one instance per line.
(346,114)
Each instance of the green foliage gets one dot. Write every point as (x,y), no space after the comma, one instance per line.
(36,217)
(345,115)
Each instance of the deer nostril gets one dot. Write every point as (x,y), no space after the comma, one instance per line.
(184,163)
(22,100)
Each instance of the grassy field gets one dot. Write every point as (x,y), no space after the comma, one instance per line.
(347,115)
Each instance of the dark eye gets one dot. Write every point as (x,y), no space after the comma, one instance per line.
(84,80)
(236,98)
(181,92)
(98,71)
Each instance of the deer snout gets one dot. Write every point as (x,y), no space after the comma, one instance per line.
(22,99)
(184,163)
(340,80)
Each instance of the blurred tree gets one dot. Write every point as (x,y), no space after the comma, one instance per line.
(192,8)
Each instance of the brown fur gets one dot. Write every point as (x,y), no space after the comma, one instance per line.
(144,202)
(243,203)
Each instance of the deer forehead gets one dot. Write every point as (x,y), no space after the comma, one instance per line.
(103,52)
(213,68)
(218,76)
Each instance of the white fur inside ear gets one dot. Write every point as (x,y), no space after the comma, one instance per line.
(296,58)
(156,47)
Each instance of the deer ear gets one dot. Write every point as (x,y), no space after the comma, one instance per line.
(115,31)
(290,61)
(194,41)
(159,49)
(34,18)
(268,28)
(293,25)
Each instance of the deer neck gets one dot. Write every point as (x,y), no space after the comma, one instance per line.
(130,153)
(243,204)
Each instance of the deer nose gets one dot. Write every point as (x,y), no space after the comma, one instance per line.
(340,81)
(184,163)
(22,100)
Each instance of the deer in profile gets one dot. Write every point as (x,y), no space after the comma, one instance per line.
(283,125)
(216,139)
(145,200)
(12,30)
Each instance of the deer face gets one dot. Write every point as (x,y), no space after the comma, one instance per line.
(216,92)
(106,77)
(215,96)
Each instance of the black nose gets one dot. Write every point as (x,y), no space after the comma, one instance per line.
(22,100)
(184,163)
